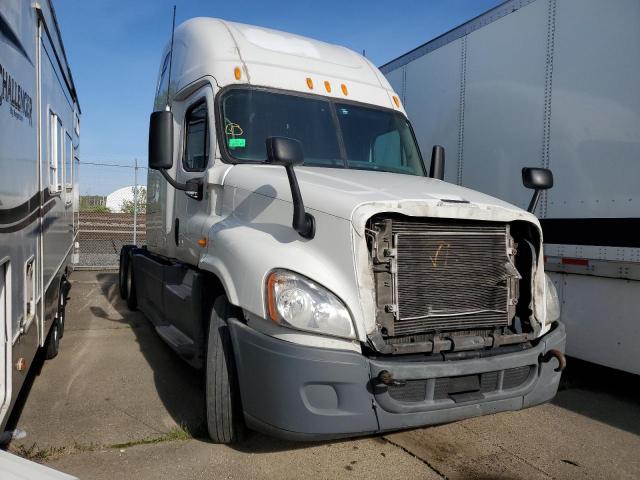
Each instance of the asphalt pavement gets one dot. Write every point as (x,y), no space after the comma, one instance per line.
(117,402)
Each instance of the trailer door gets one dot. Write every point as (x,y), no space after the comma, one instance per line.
(5,339)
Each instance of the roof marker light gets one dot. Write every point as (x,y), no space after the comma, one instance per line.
(237,73)
(344,89)
(327,86)
(310,83)
(396,100)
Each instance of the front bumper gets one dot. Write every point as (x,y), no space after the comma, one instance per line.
(300,392)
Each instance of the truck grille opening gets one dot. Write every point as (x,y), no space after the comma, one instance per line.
(455,387)
(442,275)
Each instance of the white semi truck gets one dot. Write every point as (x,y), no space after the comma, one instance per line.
(549,83)
(39,158)
(300,252)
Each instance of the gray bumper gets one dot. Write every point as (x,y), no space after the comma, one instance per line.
(301,392)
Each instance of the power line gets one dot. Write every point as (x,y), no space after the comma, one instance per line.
(110,165)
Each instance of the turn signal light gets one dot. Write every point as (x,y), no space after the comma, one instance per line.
(271,301)
(202,242)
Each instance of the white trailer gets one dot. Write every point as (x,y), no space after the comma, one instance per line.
(552,83)
(39,138)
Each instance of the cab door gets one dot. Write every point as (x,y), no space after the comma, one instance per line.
(197,141)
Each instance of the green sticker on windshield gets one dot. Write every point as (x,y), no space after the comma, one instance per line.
(237,142)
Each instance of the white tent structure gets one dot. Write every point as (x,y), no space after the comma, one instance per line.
(116,199)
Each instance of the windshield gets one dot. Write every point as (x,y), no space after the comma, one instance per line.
(333,134)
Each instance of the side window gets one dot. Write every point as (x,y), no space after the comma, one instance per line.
(162,93)
(196,150)
(68,162)
(55,152)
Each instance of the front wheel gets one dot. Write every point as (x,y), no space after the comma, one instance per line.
(224,409)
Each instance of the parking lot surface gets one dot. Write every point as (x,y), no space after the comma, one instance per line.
(117,402)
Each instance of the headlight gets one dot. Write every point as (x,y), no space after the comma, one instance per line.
(552,303)
(297,302)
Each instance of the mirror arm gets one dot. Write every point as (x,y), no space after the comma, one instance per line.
(303,222)
(534,201)
(192,188)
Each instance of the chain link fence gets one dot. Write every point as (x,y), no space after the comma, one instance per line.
(113,202)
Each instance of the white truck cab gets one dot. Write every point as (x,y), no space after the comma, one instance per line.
(300,251)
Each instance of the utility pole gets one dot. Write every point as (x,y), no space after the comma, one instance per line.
(135,201)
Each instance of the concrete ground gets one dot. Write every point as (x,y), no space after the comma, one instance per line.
(117,402)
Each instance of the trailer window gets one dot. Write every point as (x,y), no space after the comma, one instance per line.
(56,142)
(196,155)
(68,162)
(340,135)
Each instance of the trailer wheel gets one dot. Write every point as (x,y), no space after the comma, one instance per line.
(53,341)
(125,258)
(132,300)
(62,304)
(224,409)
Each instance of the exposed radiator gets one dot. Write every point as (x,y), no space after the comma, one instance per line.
(447,275)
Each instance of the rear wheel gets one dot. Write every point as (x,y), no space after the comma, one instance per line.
(61,313)
(224,409)
(53,341)
(62,304)
(125,258)
(132,300)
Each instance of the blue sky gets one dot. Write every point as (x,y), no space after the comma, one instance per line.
(114,49)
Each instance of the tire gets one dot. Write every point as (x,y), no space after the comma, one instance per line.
(62,305)
(53,341)
(132,300)
(225,420)
(125,258)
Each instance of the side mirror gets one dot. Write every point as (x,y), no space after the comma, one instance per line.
(288,153)
(537,179)
(161,140)
(436,170)
(161,153)
(284,151)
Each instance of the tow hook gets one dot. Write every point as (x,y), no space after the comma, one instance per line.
(553,353)
(385,378)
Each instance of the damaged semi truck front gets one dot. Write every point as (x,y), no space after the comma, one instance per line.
(302,254)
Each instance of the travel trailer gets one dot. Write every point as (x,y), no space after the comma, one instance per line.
(40,118)
(301,252)
(549,84)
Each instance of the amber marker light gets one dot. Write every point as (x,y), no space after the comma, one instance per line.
(202,242)
(271,301)
(396,100)
(327,86)
(237,73)
(344,89)
(310,83)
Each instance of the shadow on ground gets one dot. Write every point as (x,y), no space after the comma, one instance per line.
(604,394)
(179,386)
